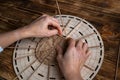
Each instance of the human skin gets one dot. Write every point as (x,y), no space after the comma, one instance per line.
(73,59)
(38,28)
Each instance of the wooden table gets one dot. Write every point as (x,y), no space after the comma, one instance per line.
(103,14)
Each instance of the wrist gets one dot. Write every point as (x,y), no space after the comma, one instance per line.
(22,33)
(74,77)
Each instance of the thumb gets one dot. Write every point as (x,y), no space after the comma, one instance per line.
(59,53)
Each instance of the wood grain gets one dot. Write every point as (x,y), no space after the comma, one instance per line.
(103,14)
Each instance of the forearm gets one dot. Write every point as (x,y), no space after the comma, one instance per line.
(8,38)
(38,28)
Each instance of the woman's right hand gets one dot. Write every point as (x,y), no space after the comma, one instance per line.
(73,59)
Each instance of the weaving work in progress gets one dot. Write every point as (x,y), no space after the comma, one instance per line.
(35,58)
(41,61)
(59,39)
(59,45)
(47,47)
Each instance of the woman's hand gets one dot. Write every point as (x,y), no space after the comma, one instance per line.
(41,27)
(38,28)
(73,59)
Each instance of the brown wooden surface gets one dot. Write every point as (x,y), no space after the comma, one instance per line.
(103,14)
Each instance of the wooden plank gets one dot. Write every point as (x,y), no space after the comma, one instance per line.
(117,63)
(82,9)
(104,15)
(75,11)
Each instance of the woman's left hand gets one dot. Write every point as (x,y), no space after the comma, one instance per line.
(40,27)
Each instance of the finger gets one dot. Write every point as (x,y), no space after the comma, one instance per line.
(71,43)
(88,53)
(85,47)
(79,44)
(57,26)
(59,53)
(53,32)
(55,20)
